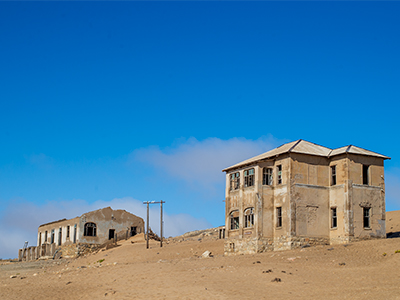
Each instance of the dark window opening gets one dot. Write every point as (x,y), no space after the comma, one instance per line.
(45,236)
(333,175)
(249,177)
(235,181)
(367,217)
(267,176)
(334,217)
(234,217)
(52,236)
(249,217)
(111,234)
(279,168)
(40,239)
(90,229)
(279,217)
(68,231)
(59,236)
(365,174)
(74,233)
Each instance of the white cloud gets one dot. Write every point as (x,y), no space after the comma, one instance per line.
(21,219)
(201,162)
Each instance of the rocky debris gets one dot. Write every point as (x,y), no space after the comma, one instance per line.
(13,276)
(199,235)
(206,254)
(342,264)
(268,271)
(276,279)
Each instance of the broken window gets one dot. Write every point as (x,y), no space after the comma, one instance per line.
(365,174)
(333,175)
(90,229)
(367,217)
(279,175)
(68,231)
(234,217)
(59,236)
(235,181)
(267,176)
(249,217)
(74,233)
(279,217)
(333,217)
(249,177)
(52,236)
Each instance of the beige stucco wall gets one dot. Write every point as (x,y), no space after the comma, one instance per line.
(56,227)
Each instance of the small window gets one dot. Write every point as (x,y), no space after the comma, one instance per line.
(279,174)
(74,233)
(249,217)
(235,181)
(234,217)
(59,236)
(367,217)
(45,236)
(90,229)
(249,177)
(279,217)
(333,217)
(365,174)
(52,236)
(267,176)
(333,175)
(40,239)
(68,231)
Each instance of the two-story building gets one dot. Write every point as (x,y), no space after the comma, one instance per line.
(303,193)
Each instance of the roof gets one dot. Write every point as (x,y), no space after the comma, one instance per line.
(305,147)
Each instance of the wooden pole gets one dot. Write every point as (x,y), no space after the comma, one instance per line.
(161,223)
(147,237)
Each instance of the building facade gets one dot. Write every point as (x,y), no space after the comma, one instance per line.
(302,193)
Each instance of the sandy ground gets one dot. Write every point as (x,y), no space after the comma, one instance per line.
(362,270)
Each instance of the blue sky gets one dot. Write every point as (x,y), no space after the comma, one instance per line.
(115,103)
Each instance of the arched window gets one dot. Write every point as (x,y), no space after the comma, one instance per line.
(234,217)
(90,229)
(249,217)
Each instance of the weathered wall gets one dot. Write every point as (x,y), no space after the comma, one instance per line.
(56,227)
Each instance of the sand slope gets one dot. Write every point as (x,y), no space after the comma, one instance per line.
(363,270)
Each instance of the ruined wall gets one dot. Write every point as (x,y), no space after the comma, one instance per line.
(56,226)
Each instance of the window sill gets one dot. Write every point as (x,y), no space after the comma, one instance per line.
(367,228)
(333,228)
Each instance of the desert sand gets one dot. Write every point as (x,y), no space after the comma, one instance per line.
(360,270)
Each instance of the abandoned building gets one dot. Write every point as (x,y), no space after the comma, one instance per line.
(303,193)
(92,228)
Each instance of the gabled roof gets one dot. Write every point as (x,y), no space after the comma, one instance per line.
(304,147)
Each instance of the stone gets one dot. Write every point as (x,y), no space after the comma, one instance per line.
(206,254)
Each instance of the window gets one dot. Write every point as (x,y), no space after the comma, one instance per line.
(333,175)
(234,217)
(52,236)
(365,174)
(59,236)
(279,217)
(90,229)
(249,177)
(249,217)
(235,181)
(40,239)
(68,231)
(333,217)
(367,216)
(279,168)
(267,176)
(74,233)
(45,236)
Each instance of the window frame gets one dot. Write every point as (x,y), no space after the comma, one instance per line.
(365,174)
(86,228)
(279,174)
(333,175)
(334,223)
(367,217)
(268,177)
(234,181)
(234,221)
(278,216)
(249,176)
(248,215)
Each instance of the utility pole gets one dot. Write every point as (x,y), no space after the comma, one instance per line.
(161,221)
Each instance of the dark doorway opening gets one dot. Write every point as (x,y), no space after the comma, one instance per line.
(111,233)
(133,231)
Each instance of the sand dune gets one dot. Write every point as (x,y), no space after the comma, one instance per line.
(362,270)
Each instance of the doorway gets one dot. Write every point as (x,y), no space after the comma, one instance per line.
(133,231)
(111,234)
